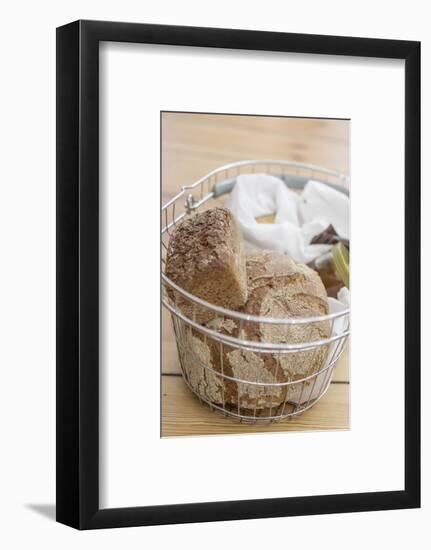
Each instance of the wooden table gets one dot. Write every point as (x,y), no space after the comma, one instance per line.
(194,144)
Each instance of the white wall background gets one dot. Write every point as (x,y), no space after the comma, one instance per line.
(27,274)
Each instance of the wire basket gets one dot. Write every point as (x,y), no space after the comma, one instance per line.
(208,349)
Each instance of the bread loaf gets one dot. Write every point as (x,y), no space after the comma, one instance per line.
(206,258)
(278,287)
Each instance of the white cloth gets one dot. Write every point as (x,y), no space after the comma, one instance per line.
(298,217)
(337,305)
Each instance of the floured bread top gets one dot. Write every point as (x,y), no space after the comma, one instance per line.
(206,258)
(279,287)
(297,289)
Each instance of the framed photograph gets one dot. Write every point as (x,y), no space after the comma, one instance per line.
(238,274)
(265,376)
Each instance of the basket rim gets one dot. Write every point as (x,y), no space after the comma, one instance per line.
(251,162)
(245,316)
(254,345)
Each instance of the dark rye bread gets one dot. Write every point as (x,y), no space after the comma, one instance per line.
(206,258)
(277,287)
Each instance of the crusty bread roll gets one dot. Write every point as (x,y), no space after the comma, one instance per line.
(206,258)
(277,287)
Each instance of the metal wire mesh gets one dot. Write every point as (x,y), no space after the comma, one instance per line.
(296,374)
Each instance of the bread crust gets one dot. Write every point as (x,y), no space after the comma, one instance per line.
(206,258)
(278,287)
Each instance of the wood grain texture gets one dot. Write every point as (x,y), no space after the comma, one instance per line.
(194,144)
(183,414)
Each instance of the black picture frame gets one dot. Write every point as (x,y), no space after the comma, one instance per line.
(77,175)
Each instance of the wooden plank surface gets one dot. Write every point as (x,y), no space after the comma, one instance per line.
(194,144)
(183,414)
